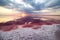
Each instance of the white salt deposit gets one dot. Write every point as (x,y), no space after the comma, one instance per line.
(46,32)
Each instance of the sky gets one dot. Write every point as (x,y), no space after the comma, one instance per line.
(29,5)
(17,7)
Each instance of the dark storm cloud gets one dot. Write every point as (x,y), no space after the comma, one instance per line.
(42,6)
(37,6)
(3,2)
(56,3)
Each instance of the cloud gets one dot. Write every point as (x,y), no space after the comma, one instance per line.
(33,3)
(41,6)
(3,2)
(53,3)
(29,6)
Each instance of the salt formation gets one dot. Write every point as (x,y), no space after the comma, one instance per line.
(46,32)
